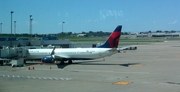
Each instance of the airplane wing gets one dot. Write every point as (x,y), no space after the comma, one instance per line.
(61,56)
(127,48)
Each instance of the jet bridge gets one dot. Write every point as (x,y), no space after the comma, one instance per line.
(7,55)
(7,52)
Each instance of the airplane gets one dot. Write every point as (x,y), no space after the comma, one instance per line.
(68,54)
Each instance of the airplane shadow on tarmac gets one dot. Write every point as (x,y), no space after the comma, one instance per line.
(100,62)
(61,66)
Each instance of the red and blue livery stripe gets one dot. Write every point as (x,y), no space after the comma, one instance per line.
(113,40)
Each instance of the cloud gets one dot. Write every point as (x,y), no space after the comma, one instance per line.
(59,14)
(102,15)
(110,13)
(173,22)
(34,22)
(66,14)
(89,20)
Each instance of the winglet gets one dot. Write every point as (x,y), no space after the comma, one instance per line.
(52,53)
(113,40)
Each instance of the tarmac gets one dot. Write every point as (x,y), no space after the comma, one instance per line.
(150,68)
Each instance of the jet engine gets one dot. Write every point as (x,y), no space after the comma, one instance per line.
(47,59)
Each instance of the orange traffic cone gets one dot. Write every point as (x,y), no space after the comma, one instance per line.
(33,68)
(41,63)
(29,68)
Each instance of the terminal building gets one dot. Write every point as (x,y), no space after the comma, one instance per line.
(165,34)
(158,35)
(45,41)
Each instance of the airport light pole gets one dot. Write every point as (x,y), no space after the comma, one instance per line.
(62,29)
(30,26)
(15,28)
(11,27)
(11,21)
(1,28)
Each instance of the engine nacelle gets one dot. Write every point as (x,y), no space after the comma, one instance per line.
(47,59)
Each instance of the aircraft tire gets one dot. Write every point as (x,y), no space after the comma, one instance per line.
(62,62)
(70,61)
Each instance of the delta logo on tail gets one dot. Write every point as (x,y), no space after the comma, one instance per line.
(113,40)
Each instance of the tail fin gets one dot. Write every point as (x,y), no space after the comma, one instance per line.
(113,40)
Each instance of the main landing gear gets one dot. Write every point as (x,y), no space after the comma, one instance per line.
(62,62)
(70,62)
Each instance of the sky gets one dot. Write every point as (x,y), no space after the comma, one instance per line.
(89,15)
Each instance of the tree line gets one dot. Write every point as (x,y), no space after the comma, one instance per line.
(70,34)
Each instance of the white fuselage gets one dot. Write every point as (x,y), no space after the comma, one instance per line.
(72,53)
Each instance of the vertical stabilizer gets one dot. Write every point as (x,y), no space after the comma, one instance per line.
(113,40)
